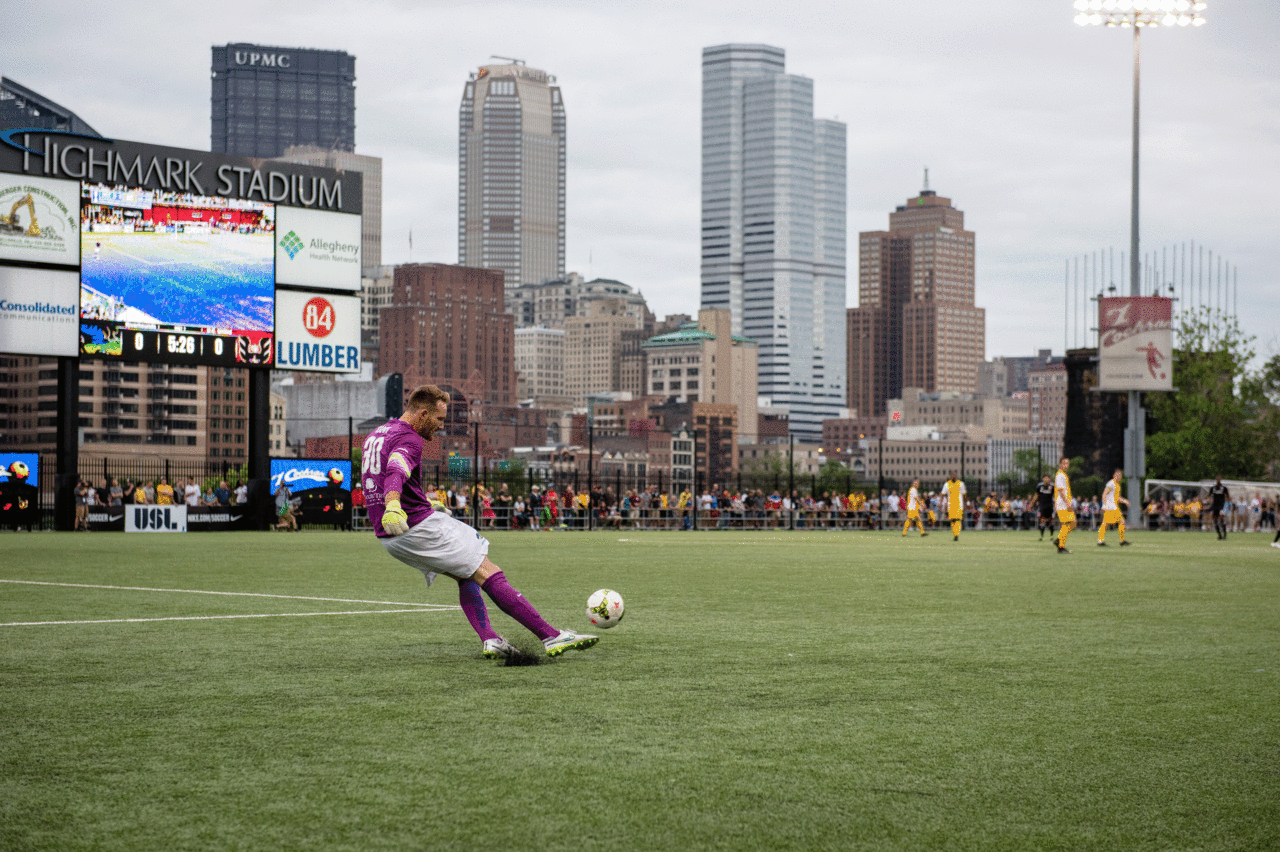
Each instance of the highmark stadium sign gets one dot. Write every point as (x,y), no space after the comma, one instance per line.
(76,156)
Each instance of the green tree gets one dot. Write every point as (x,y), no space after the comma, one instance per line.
(1214,422)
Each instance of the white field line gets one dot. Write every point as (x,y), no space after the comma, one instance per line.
(414,607)
(209,617)
(239,594)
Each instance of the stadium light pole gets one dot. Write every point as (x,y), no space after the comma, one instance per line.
(1137,15)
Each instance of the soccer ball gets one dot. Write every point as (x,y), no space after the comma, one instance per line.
(605,608)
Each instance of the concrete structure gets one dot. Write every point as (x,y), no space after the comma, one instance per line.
(705,362)
(593,346)
(322,410)
(931,461)
(370,169)
(1047,399)
(949,411)
(916,324)
(511,173)
(550,303)
(446,325)
(773,226)
(755,460)
(993,379)
(377,287)
(714,432)
(539,356)
(840,435)
(277,433)
(266,99)
(21,107)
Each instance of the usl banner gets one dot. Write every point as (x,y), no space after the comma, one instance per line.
(317,332)
(39,311)
(317,249)
(161,519)
(1135,343)
(39,220)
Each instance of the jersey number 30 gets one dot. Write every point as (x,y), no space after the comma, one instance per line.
(371,455)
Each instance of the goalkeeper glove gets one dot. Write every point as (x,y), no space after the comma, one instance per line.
(437,506)
(394,519)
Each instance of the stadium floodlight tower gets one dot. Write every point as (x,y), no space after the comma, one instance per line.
(1137,15)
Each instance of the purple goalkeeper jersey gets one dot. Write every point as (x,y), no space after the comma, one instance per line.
(391,457)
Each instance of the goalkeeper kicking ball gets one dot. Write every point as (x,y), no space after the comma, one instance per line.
(605,608)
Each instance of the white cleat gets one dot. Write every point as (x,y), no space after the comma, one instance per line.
(567,640)
(494,648)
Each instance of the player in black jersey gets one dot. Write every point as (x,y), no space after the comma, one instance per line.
(1044,497)
(1220,496)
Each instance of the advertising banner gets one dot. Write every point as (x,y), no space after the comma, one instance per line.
(317,249)
(317,332)
(19,490)
(316,491)
(39,220)
(161,519)
(1135,343)
(39,310)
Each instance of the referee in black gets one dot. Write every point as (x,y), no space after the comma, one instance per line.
(1044,497)
(1220,496)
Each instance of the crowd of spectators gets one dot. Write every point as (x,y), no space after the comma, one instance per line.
(1253,513)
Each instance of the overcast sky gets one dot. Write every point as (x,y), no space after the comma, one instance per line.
(1023,119)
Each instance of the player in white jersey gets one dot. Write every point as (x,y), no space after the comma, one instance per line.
(914,507)
(1111,514)
(413,530)
(1062,503)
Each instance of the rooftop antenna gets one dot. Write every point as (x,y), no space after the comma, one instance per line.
(926,178)
(508,58)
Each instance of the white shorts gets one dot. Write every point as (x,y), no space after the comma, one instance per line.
(440,545)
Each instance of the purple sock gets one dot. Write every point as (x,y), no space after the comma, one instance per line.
(473,607)
(514,604)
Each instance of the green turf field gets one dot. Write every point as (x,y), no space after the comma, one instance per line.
(766,690)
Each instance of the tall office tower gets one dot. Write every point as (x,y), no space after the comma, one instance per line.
(916,324)
(773,227)
(370,169)
(511,143)
(266,99)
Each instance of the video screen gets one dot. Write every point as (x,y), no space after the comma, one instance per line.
(170,276)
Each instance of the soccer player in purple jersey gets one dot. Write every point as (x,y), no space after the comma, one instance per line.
(419,534)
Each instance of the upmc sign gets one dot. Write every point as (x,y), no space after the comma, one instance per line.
(317,332)
(262,60)
(1135,343)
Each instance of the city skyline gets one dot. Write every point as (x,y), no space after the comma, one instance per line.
(1027,125)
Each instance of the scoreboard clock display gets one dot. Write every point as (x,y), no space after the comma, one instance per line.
(177,278)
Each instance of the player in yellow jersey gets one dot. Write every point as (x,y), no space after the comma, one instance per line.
(1062,503)
(953,495)
(1111,514)
(914,507)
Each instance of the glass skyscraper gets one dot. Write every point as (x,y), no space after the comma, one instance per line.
(773,227)
(511,157)
(267,99)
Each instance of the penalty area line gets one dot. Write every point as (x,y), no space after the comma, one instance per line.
(235,594)
(216,617)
